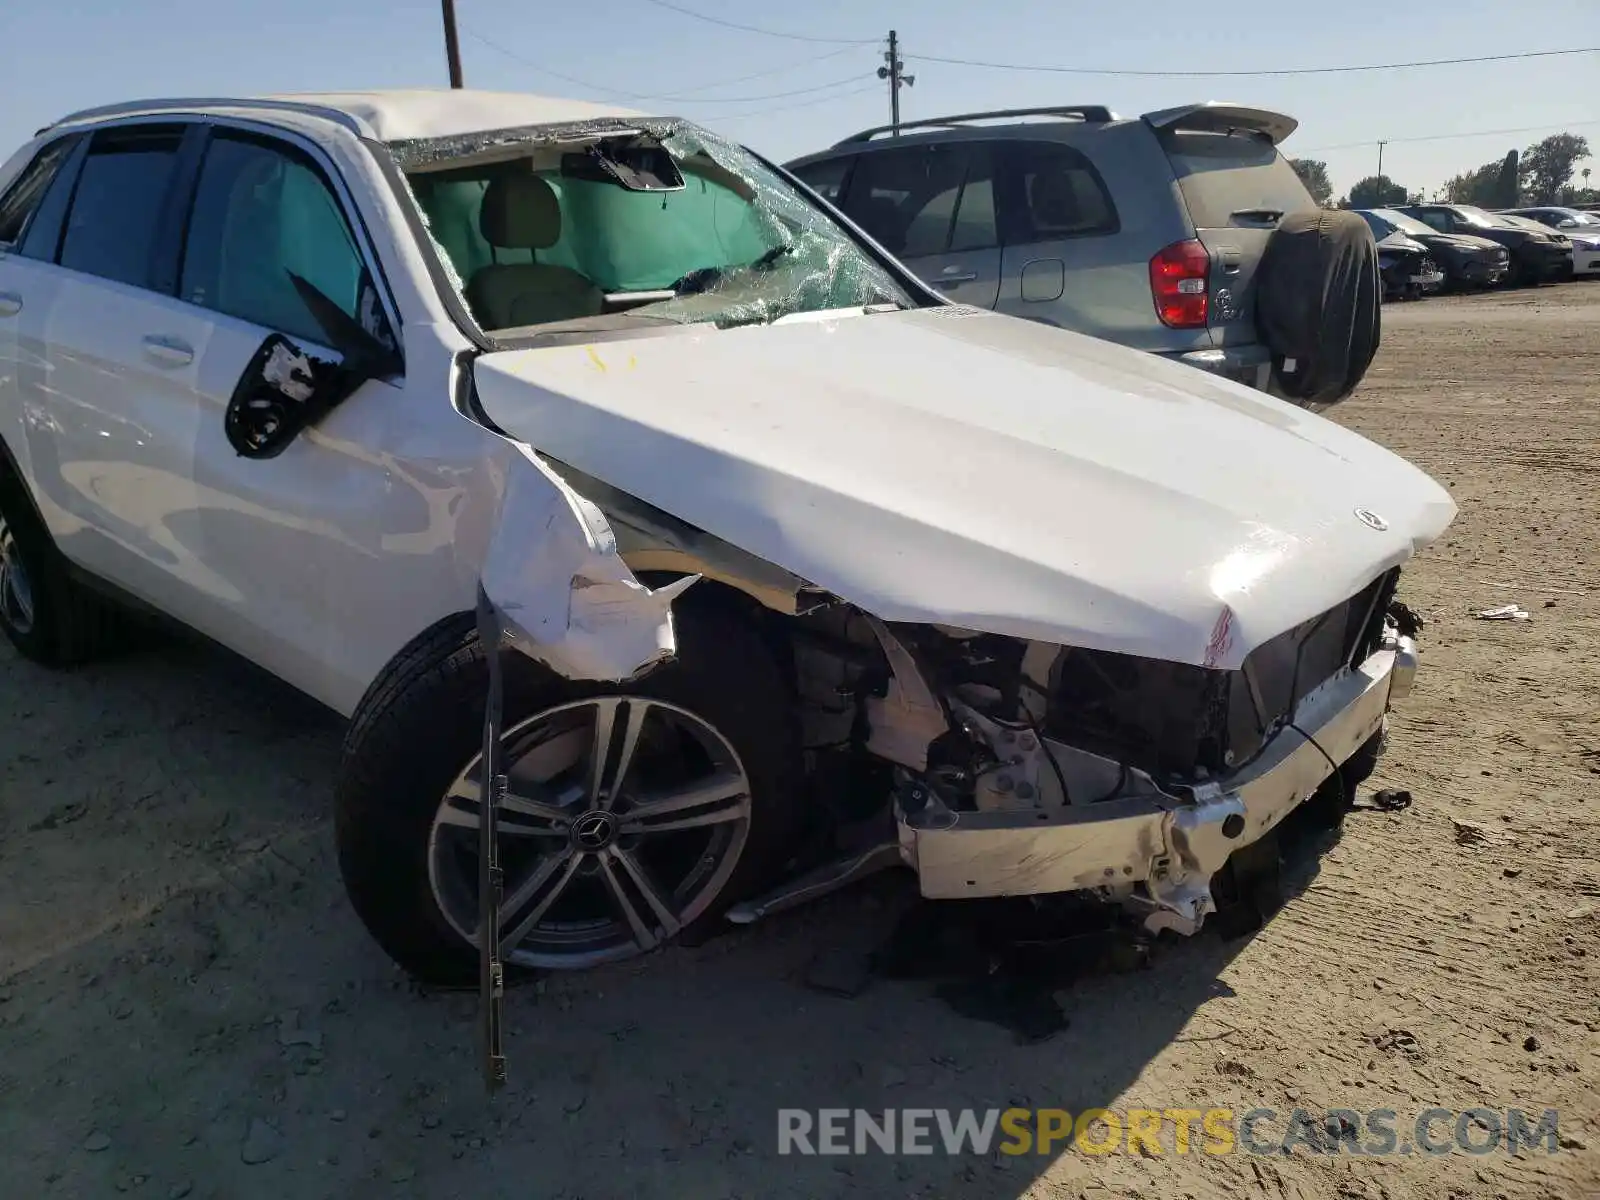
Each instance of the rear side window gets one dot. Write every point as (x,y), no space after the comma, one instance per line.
(1227,179)
(1058,194)
(117,204)
(926,200)
(1435,219)
(24,196)
(826,178)
(261,211)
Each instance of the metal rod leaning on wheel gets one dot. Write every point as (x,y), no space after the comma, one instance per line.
(491,880)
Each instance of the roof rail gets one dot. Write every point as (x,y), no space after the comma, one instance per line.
(185,104)
(1084,112)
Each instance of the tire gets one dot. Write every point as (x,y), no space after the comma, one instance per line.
(421,725)
(1318,301)
(44,613)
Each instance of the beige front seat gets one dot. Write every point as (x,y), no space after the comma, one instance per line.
(520,212)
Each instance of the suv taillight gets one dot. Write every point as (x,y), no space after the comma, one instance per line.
(1178,276)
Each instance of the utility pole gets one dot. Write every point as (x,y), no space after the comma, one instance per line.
(1381,145)
(452,46)
(894,73)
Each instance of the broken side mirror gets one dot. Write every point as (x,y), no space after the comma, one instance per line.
(283,391)
(286,389)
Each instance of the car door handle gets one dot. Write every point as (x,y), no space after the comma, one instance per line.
(168,351)
(10,304)
(965,277)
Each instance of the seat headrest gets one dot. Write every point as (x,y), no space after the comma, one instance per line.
(1055,201)
(520,212)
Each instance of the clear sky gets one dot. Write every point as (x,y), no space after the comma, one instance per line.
(58,55)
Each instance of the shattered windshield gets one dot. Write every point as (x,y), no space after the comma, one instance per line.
(541,242)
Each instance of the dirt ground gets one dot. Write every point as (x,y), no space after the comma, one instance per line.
(189,1008)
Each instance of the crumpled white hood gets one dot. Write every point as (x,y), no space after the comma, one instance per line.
(956,467)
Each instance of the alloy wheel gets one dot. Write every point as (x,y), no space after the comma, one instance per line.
(623,820)
(16,589)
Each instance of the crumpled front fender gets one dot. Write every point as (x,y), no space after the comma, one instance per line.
(564,594)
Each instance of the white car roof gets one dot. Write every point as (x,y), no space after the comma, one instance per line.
(387,115)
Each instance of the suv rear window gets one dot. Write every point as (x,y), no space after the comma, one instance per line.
(1059,194)
(1221,175)
(117,206)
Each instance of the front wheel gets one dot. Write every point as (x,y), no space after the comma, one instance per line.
(633,813)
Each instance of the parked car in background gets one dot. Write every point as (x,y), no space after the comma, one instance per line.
(1407,270)
(1556,217)
(1537,254)
(1580,228)
(1466,259)
(608,481)
(1148,231)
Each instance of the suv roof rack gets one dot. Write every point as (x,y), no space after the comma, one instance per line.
(1083,112)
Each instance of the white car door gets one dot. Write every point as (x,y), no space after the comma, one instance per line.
(306,584)
(28,224)
(106,378)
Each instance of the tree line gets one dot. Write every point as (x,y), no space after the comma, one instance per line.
(1545,173)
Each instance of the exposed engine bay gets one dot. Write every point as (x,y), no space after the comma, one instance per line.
(949,730)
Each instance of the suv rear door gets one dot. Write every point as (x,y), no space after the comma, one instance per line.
(1236,187)
(1063,263)
(32,205)
(933,207)
(110,398)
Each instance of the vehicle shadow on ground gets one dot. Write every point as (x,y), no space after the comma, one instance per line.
(183,976)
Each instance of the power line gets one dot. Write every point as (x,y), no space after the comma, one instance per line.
(794,37)
(821,87)
(1439,137)
(554,74)
(761,112)
(1164,73)
(1001,66)
(805,62)
(683,97)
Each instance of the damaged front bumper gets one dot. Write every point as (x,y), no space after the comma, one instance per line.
(1156,854)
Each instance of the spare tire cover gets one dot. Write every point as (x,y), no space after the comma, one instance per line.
(1318,304)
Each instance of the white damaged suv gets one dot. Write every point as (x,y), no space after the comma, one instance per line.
(792,569)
